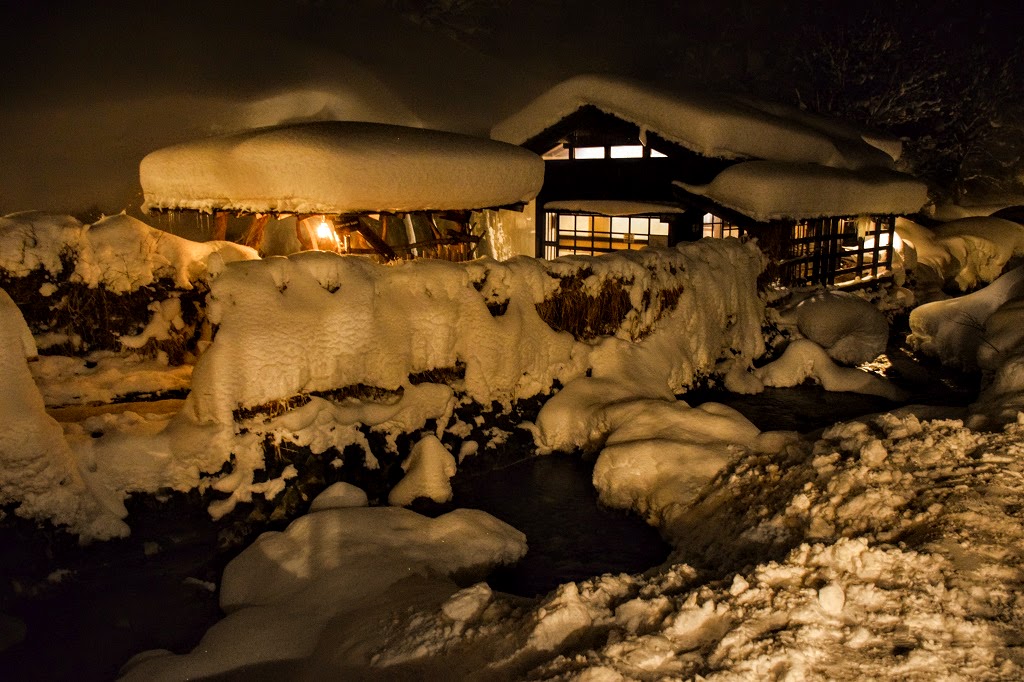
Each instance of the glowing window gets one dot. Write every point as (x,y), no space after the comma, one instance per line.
(588,153)
(718,228)
(632,151)
(655,154)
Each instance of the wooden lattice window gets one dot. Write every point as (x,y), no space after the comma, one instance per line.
(583,234)
(718,228)
(839,250)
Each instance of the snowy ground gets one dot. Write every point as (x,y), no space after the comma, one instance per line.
(885,547)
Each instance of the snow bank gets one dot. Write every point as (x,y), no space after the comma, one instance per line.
(772,190)
(119,253)
(712,124)
(319,321)
(850,329)
(40,474)
(329,578)
(967,251)
(339,167)
(952,330)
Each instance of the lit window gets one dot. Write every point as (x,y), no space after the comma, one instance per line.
(718,228)
(655,154)
(588,153)
(632,151)
(620,225)
(559,151)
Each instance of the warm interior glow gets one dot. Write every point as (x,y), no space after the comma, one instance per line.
(630,151)
(588,153)
(324,230)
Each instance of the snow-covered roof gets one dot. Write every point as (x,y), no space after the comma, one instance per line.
(712,124)
(773,190)
(339,167)
(611,207)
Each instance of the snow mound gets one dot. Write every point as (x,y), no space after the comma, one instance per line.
(329,576)
(339,495)
(339,167)
(803,359)
(659,455)
(953,330)
(850,329)
(41,476)
(712,124)
(967,251)
(119,253)
(428,471)
(773,190)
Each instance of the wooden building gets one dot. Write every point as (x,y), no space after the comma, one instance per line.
(627,167)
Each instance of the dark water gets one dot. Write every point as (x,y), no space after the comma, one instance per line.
(117,601)
(571,536)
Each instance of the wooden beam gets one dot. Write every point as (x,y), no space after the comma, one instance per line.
(371,237)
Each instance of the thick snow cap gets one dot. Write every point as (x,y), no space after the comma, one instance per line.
(339,167)
(713,124)
(772,190)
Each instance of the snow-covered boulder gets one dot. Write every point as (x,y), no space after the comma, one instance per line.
(803,359)
(428,472)
(329,577)
(850,329)
(953,330)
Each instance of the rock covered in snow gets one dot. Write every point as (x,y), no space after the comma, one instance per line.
(339,167)
(966,252)
(340,495)
(428,471)
(329,576)
(953,330)
(803,359)
(850,329)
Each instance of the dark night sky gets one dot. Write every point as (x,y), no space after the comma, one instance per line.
(91,87)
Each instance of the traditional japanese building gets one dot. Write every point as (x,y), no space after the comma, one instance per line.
(627,166)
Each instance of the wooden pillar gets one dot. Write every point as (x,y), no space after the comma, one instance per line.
(258,226)
(220,225)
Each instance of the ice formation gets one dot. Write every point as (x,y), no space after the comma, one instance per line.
(339,167)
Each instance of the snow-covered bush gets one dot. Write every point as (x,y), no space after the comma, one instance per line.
(115,284)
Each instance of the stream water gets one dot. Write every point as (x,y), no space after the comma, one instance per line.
(92,608)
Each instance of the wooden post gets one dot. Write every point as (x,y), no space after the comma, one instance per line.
(254,235)
(220,225)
